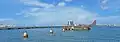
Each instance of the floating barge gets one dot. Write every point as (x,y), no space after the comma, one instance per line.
(71,26)
(84,27)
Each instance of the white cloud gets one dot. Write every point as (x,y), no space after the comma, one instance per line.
(61,4)
(36,3)
(104,1)
(42,4)
(111,5)
(34,9)
(68,0)
(60,15)
(104,4)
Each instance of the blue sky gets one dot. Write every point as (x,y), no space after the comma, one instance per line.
(58,12)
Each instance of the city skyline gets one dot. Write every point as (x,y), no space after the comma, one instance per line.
(48,12)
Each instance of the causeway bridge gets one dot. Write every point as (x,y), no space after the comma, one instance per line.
(29,27)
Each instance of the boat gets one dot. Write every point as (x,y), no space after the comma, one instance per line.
(82,28)
(77,27)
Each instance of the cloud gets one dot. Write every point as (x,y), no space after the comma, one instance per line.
(68,0)
(61,4)
(104,4)
(104,1)
(36,3)
(60,15)
(7,21)
(111,5)
(42,4)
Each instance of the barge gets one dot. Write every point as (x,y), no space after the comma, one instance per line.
(78,27)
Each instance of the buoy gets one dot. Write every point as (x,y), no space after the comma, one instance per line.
(25,35)
(51,31)
(63,30)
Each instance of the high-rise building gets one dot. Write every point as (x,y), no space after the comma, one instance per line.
(71,23)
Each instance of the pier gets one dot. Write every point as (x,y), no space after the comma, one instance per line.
(29,27)
(55,26)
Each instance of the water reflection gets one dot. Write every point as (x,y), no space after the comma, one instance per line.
(25,38)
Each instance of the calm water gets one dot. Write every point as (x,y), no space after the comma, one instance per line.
(96,34)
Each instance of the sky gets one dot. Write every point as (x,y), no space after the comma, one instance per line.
(59,12)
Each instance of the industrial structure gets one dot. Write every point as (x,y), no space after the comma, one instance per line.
(72,26)
(70,23)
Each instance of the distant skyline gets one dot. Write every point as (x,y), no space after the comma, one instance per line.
(58,12)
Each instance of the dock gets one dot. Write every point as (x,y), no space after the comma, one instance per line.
(29,27)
